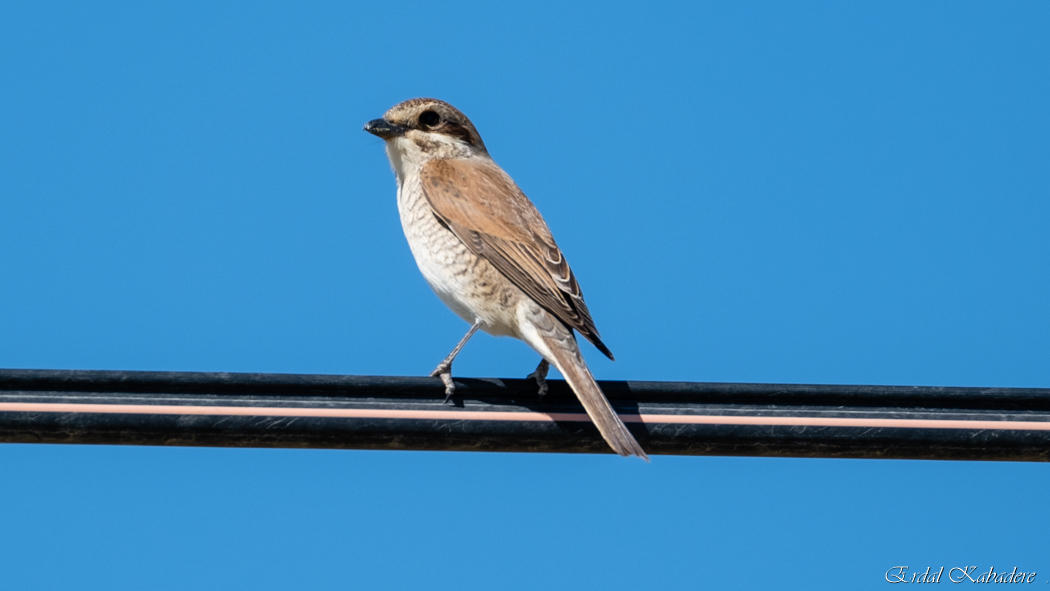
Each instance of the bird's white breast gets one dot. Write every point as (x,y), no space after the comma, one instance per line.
(467,284)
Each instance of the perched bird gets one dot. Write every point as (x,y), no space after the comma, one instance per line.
(487,253)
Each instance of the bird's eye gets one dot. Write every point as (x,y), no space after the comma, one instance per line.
(429,118)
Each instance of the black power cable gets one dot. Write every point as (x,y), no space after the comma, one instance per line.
(361,412)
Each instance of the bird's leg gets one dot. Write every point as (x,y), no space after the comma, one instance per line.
(540,375)
(444,369)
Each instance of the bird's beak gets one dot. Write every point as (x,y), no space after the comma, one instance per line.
(384,128)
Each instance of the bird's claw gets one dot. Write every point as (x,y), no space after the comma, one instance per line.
(444,371)
(540,375)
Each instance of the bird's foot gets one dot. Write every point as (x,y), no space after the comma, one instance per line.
(540,375)
(444,371)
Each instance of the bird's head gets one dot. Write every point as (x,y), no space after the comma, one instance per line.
(433,127)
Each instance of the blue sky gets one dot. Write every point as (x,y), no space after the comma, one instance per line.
(748,192)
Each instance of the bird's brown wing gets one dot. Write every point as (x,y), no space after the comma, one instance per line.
(483,206)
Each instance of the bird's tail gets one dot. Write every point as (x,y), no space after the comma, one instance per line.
(563,351)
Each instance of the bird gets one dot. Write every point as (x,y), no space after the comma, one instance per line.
(488,254)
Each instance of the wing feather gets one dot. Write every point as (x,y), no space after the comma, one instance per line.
(485,209)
